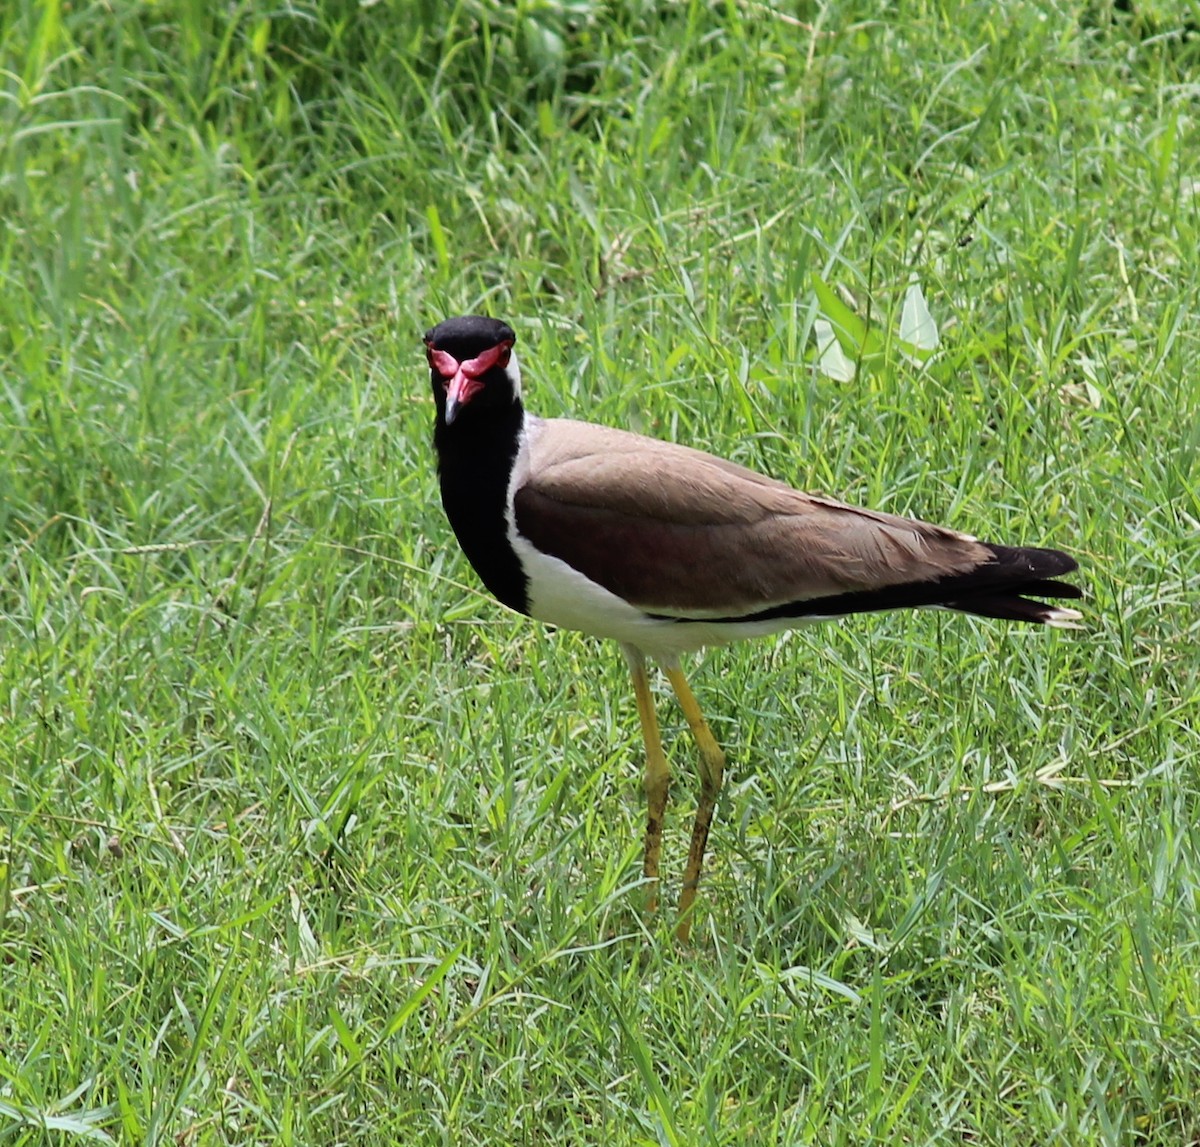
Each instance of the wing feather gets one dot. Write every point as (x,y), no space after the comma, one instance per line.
(676,531)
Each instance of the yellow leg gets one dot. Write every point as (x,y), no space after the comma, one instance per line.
(712,773)
(658,774)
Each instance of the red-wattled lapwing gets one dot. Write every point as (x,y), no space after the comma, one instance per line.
(668,549)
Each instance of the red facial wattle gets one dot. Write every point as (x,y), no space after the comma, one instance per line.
(464,380)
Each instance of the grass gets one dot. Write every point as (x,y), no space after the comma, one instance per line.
(305,840)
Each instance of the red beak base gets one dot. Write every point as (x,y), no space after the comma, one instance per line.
(464,380)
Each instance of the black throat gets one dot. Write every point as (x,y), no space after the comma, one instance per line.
(476,457)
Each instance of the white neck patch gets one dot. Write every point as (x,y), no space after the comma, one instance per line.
(513,370)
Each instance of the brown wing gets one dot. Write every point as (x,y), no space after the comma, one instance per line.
(678,531)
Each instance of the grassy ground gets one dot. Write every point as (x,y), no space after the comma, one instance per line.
(305,840)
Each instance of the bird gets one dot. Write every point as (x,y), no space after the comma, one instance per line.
(667,549)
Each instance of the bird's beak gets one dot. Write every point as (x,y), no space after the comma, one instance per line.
(452,404)
(459,391)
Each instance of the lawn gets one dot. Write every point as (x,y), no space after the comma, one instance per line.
(305,840)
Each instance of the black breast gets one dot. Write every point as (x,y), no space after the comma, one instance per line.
(475,466)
